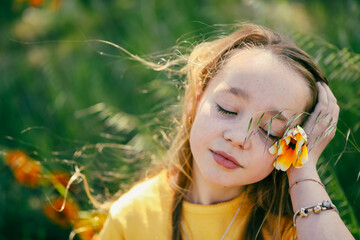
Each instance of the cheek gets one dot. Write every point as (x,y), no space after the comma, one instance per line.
(268,166)
(205,128)
(265,160)
(263,170)
(262,143)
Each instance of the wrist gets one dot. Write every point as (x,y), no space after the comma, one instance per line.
(307,171)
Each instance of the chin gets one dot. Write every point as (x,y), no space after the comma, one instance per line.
(228,180)
(223,179)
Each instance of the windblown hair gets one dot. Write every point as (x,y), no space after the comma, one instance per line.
(269,196)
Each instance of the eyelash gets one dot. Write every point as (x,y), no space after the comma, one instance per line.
(224,111)
(229,113)
(272,137)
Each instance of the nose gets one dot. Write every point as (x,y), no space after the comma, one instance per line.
(239,134)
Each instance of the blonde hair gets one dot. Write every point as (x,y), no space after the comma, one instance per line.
(269,196)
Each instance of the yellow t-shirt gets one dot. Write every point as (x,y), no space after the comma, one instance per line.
(145,213)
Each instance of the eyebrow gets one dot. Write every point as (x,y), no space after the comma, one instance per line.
(243,94)
(237,92)
(280,117)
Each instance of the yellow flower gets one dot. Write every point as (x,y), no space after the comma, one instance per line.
(290,149)
(89,227)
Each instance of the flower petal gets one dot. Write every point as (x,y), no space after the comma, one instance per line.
(273,149)
(278,147)
(285,152)
(284,161)
(304,155)
(287,140)
(299,143)
(302,132)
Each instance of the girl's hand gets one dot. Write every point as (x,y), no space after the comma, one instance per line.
(321,124)
(321,128)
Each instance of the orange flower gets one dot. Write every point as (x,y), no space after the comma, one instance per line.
(290,149)
(88,227)
(66,217)
(36,3)
(60,178)
(26,170)
(54,4)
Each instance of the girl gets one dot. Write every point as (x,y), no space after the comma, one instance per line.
(246,95)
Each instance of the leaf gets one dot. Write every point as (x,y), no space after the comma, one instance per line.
(316,140)
(290,120)
(342,152)
(261,117)
(274,117)
(296,118)
(269,129)
(249,126)
(340,199)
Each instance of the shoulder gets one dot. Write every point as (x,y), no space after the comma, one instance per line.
(146,206)
(152,195)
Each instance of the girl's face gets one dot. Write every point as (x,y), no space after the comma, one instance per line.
(252,82)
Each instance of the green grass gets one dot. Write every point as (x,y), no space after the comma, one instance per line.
(73,96)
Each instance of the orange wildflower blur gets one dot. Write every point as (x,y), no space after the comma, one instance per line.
(26,170)
(60,178)
(54,4)
(290,149)
(89,227)
(66,217)
(36,3)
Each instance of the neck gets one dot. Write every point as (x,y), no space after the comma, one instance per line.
(206,193)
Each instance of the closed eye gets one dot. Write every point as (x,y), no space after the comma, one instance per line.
(266,134)
(224,111)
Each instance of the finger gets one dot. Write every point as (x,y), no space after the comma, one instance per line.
(333,108)
(320,108)
(326,115)
(330,94)
(319,120)
(326,103)
(335,117)
(322,103)
(322,94)
(336,112)
(328,124)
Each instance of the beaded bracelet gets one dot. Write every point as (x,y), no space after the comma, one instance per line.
(306,179)
(316,208)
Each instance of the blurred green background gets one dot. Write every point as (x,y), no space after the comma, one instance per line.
(69,101)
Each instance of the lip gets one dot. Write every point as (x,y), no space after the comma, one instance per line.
(225,160)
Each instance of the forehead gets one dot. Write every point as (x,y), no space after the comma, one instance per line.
(264,81)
